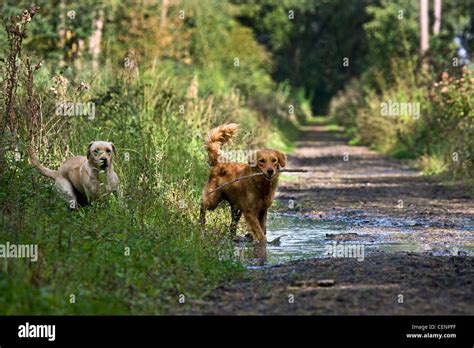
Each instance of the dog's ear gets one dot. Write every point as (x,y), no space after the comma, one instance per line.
(113,148)
(89,149)
(281,158)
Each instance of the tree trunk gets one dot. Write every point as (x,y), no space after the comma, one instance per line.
(78,48)
(424,32)
(437,17)
(95,39)
(424,35)
(164,13)
(62,33)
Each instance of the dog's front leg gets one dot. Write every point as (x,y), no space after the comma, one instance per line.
(208,201)
(262,219)
(236,215)
(112,181)
(65,187)
(255,228)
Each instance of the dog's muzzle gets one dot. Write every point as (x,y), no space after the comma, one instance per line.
(269,174)
(104,163)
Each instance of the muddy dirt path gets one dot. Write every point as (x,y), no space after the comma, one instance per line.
(344,180)
(374,194)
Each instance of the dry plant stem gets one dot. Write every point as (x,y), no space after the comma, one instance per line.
(256,174)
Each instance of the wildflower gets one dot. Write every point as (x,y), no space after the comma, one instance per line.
(25,17)
(83,86)
(39,65)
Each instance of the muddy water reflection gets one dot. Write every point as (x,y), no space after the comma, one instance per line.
(303,238)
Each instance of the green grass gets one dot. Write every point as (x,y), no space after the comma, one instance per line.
(288,178)
(433,165)
(317,119)
(329,124)
(134,254)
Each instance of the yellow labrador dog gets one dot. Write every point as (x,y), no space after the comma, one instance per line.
(80,178)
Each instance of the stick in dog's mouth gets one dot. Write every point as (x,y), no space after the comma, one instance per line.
(257,174)
(268,178)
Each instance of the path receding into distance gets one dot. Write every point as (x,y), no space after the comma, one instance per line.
(374,194)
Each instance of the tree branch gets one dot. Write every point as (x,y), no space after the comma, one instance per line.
(255,174)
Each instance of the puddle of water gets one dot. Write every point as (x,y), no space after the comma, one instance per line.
(305,238)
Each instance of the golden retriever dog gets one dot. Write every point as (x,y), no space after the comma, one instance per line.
(251,197)
(83,178)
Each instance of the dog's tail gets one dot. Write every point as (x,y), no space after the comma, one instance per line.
(216,138)
(43,170)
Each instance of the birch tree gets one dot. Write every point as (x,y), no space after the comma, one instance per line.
(437,17)
(424,22)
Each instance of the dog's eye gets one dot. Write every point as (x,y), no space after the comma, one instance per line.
(274,160)
(108,151)
(262,161)
(96,152)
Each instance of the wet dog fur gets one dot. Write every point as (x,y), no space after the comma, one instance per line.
(250,197)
